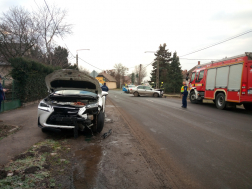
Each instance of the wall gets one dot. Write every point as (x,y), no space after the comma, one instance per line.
(111,84)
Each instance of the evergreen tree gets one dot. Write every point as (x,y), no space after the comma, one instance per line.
(163,57)
(133,78)
(174,76)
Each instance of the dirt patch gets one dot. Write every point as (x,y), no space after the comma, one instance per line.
(3,174)
(44,149)
(6,130)
(23,156)
(31,170)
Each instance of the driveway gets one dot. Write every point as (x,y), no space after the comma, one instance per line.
(22,140)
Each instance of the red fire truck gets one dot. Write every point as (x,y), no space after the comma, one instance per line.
(228,82)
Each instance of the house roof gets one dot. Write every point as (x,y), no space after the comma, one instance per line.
(107,76)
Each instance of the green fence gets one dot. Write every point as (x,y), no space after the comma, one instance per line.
(11,96)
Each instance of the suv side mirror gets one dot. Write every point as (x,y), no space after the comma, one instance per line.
(104,93)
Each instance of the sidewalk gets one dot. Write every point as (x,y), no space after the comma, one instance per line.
(22,140)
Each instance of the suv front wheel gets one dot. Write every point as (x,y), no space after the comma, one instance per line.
(98,122)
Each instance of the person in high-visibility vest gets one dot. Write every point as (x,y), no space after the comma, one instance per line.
(184,92)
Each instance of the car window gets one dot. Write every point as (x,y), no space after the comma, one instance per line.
(140,87)
(147,88)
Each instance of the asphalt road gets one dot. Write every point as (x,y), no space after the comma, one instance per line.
(206,147)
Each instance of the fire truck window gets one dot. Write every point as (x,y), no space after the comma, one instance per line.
(201,74)
(193,76)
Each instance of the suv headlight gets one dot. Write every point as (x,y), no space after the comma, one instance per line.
(43,106)
(95,105)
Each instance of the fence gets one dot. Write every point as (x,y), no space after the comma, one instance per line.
(11,96)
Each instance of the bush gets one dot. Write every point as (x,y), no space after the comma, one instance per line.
(30,76)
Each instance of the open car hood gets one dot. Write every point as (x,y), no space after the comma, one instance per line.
(71,79)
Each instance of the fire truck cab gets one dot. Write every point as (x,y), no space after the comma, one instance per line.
(228,82)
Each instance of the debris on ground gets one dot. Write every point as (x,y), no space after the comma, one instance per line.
(105,135)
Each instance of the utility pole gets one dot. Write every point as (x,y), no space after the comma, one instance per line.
(139,77)
(77,56)
(77,61)
(157,76)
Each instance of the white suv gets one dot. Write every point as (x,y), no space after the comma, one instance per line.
(76,101)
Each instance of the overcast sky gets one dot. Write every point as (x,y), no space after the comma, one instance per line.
(120,31)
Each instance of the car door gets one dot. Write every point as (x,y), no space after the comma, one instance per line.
(148,91)
(141,90)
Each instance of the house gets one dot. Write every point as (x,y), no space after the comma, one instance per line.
(104,77)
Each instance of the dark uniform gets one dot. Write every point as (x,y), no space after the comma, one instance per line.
(105,88)
(184,92)
(2,95)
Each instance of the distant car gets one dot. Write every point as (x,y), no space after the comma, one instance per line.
(76,102)
(127,88)
(142,90)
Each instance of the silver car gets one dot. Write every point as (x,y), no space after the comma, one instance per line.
(142,90)
(76,101)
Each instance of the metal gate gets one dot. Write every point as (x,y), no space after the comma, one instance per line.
(11,96)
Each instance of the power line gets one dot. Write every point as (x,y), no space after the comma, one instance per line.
(89,64)
(238,35)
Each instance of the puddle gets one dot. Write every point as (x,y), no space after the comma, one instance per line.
(86,168)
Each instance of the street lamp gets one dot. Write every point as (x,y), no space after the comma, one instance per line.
(157,73)
(77,56)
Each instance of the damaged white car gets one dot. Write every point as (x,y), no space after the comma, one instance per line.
(76,101)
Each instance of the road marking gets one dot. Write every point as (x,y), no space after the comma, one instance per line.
(149,100)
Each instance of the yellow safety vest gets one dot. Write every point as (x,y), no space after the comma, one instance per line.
(182,89)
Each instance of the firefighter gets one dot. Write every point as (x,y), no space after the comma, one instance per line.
(184,92)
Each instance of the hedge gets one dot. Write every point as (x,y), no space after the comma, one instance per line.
(30,76)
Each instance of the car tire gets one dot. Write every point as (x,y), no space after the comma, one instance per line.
(136,94)
(248,106)
(220,101)
(155,95)
(98,122)
(192,97)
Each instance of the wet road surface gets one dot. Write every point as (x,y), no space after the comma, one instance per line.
(197,147)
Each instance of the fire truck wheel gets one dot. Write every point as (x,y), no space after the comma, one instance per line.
(193,97)
(136,94)
(220,101)
(248,106)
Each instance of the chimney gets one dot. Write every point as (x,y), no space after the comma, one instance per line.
(198,62)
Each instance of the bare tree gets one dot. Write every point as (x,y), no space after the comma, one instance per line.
(140,73)
(120,72)
(51,23)
(18,33)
